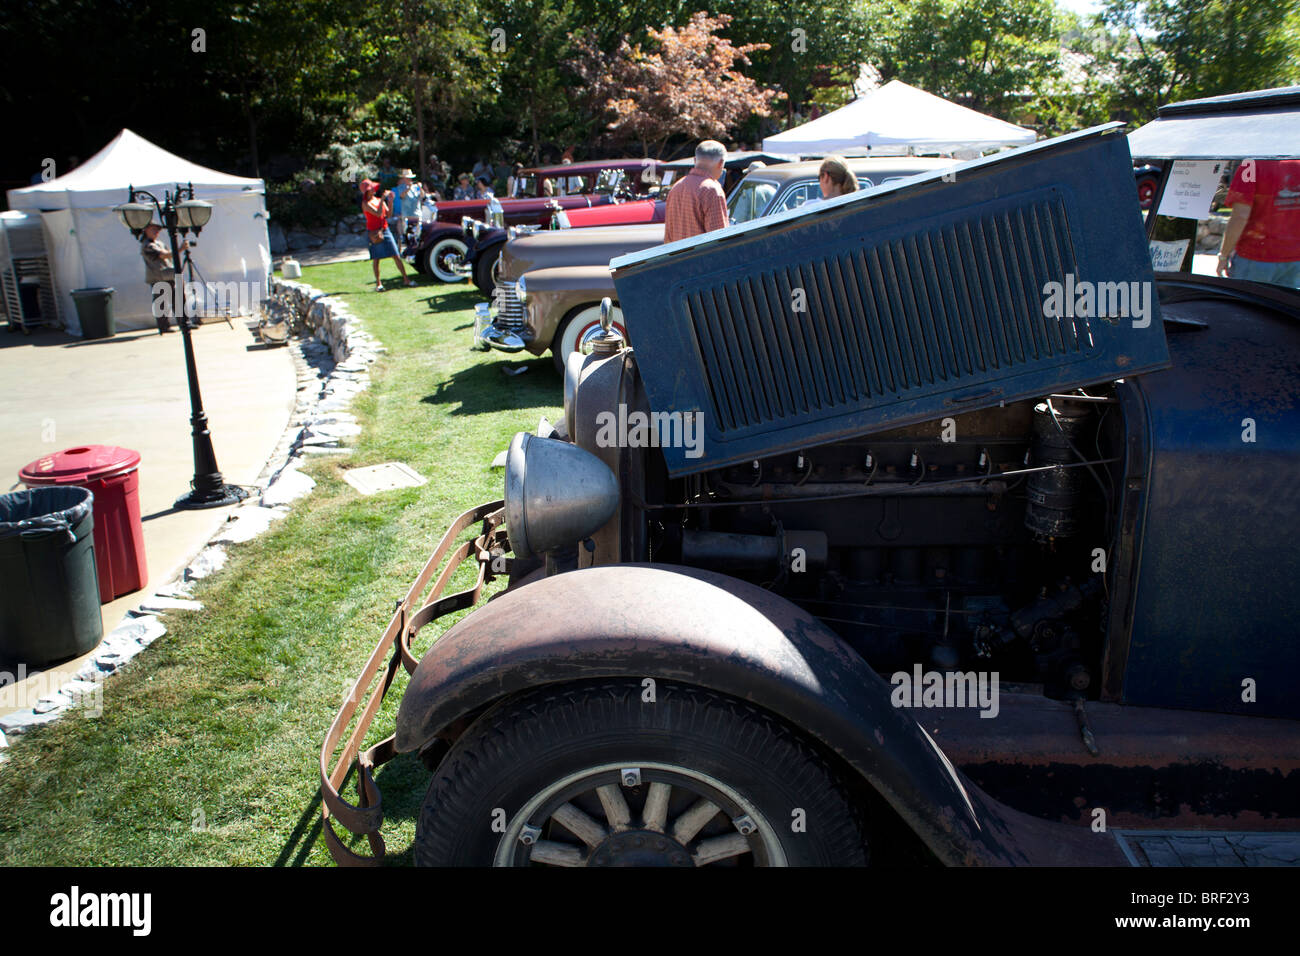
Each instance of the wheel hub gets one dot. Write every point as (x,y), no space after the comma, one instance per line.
(639,848)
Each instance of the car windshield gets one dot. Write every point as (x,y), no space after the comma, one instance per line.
(609,181)
(525,186)
(749,199)
(1248,208)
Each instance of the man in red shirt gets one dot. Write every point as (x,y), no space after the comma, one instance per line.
(696,203)
(1262,240)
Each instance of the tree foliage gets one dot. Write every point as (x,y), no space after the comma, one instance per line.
(690,86)
(990,55)
(274,83)
(1169,50)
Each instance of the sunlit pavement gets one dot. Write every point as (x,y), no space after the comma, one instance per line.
(130,390)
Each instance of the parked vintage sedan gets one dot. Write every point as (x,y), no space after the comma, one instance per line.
(877,546)
(438,246)
(487,242)
(567,274)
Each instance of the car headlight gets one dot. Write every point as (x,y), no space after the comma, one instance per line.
(556,494)
(521,291)
(467,226)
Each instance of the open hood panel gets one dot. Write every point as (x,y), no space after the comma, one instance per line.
(997,280)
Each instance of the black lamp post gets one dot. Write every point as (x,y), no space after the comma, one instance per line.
(180,212)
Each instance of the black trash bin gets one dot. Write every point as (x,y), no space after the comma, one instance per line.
(95,311)
(49,598)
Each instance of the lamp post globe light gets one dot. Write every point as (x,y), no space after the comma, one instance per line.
(178,213)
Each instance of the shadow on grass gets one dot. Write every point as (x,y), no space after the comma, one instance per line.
(484,387)
(402,784)
(452,302)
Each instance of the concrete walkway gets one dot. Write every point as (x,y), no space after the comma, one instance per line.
(60,392)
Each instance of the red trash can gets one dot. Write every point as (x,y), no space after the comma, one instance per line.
(113,477)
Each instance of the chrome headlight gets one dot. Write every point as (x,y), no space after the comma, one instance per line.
(496,213)
(556,494)
(467,226)
(521,291)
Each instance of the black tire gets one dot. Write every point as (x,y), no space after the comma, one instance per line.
(525,747)
(485,271)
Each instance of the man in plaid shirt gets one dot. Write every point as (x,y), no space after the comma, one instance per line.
(696,203)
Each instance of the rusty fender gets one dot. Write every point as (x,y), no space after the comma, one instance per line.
(713,631)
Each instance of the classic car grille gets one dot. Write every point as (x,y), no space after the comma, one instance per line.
(932,307)
(510,311)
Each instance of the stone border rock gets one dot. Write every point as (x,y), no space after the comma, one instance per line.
(348,233)
(332,356)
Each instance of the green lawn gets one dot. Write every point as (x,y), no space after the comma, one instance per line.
(207,749)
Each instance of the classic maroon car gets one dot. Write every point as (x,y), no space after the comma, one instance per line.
(620,214)
(436,246)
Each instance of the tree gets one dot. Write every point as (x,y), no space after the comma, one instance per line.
(1171,50)
(282,63)
(810,45)
(990,55)
(690,86)
(435,51)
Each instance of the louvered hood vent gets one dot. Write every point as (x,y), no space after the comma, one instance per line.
(1006,278)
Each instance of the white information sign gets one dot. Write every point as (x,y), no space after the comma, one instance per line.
(1191,187)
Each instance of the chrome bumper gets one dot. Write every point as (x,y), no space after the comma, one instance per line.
(488,335)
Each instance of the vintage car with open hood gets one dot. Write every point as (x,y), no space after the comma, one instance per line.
(923,525)
(564,276)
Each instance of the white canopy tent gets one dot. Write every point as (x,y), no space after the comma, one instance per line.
(91,248)
(895,118)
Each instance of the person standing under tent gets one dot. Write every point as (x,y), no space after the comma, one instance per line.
(160,274)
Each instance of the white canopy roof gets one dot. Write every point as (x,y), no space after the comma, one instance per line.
(89,248)
(894,117)
(129,160)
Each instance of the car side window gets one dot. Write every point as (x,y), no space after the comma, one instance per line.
(748,200)
(799,195)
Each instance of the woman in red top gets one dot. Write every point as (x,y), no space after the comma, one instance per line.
(377,210)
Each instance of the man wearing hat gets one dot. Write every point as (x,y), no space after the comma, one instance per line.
(406,200)
(160,274)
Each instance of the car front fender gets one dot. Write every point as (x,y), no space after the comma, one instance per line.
(713,631)
(557,292)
